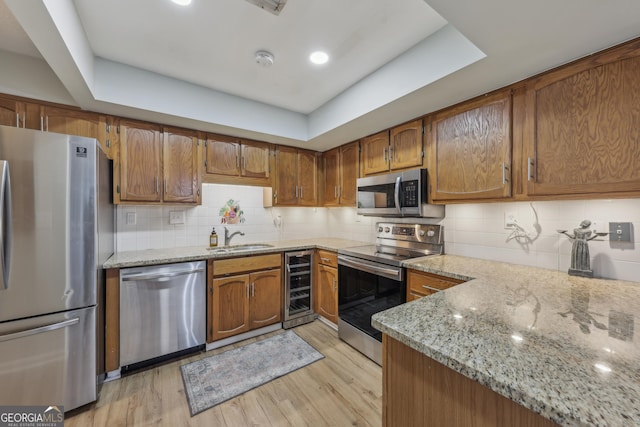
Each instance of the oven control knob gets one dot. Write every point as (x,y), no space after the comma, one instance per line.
(421,233)
(431,233)
(387,229)
(379,229)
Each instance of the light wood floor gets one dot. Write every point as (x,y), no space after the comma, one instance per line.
(343,389)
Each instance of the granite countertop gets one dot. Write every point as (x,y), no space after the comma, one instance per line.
(192,253)
(562,346)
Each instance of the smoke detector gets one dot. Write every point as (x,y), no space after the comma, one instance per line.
(264,58)
(273,6)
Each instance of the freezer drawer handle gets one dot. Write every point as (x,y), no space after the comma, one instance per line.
(41,329)
(156,276)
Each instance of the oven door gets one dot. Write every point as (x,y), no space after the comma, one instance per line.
(367,288)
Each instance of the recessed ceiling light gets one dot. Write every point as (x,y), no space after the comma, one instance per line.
(319,57)
(182,2)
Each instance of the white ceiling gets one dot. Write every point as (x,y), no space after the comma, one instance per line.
(390,61)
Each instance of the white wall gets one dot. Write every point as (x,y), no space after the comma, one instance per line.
(474,230)
(477,230)
(152,228)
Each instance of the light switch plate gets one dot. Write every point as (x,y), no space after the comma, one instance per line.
(176,217)
(131,218)
(620,231)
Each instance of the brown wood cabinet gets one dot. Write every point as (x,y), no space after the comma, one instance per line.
(180,166)
(248,162)
(156,166)
(296,177)
(421,284)
(583,122)
(471,150)
(341,170)
(19,113)
(327,285)
(140,149)
(396,149)
(244,294)
(417,391)
(80,123)
(375,150)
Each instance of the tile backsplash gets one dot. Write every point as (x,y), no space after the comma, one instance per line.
(474,230)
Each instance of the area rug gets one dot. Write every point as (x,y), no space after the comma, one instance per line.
(218,378)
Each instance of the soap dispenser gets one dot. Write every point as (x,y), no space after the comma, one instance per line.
(213,239)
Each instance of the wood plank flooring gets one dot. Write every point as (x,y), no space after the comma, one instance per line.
(343,389)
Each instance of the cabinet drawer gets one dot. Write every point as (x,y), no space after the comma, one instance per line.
(328,258)
(427,283)
(244,264)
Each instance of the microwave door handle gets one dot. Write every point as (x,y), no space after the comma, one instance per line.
(5,224)
(396,194)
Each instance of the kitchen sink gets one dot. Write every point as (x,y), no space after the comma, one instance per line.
(239,248)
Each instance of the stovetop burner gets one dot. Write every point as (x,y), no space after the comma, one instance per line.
(399,242)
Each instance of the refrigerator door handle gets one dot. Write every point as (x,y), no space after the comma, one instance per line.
(39,330)
(5,224)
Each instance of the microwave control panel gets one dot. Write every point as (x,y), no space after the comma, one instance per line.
(410,195)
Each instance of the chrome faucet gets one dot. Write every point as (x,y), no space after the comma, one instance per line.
(228,237)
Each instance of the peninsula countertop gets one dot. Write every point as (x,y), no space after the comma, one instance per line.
(563,346)
(193,253)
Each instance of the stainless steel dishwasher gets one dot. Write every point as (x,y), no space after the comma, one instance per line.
(162,310)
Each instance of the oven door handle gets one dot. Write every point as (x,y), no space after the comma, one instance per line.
(396,194)
(391,273)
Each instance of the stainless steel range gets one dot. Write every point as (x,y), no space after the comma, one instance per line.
(372,279)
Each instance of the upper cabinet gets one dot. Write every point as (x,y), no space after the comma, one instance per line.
(296,177)
(397,149)
(80,123)
(341,167)
(15,112)
(234,160)
(582,133)
(470,150)
(156,166)
(180,166)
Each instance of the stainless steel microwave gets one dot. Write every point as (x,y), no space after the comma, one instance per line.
(400,194)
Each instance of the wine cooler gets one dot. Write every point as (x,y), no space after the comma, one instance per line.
(298,289)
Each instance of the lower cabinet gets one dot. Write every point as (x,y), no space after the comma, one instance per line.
(420,284)
(327,285)
(243,294)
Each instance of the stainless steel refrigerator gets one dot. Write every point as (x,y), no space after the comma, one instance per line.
(56,230)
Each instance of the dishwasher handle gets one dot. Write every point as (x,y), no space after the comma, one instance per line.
(157,276)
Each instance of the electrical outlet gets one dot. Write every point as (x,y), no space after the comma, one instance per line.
(510,219)
(176,217)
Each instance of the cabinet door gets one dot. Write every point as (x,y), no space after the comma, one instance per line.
(230,306)
(349,167)
(328,293)
(180,166)
(375,153)
(307,178)
(222,155)
(330,160)
(19,114)
(472,144)
(406,146)
(585,136)
(140,162)
(265,301)
(254,160)
(10,112)
(286,176)
(420,284)
(78,123)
